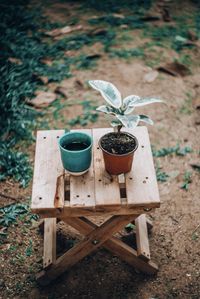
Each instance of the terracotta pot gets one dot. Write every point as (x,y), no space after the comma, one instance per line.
(117,164)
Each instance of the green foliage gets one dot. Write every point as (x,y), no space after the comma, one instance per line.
(187,108)
(29,249)
(121,108)
(127,53)
(115,5)
(177,150)
(187,180)
(195,236)
(130,227)
(23,50)
(16,165)
(133,22)
(9,214)
(161,175)
(176,36)
(88,115)
(86,62)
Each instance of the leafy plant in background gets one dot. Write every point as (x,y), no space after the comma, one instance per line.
(124,53)
(171,150)
(9,214)
(162,176)
(23,51)
(87,116)
(187,180)
(115,5)
(120,108)
(16,165)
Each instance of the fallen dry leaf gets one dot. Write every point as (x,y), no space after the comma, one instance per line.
(62,90)
(151,76)
(79,84)
(166,15)
(5,246)
(43,99)
(124,26)
(196,103)
(64,30)
(197,121)
(15,60)
(47,61)
(70,53)
(174,69)
(150,18)
(192,36)
(195,166)
(118,15)
(98,31)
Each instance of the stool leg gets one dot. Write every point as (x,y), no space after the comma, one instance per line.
(49,255)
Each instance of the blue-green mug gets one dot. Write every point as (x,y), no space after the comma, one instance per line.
(76,152)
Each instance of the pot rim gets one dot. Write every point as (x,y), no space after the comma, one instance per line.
(127,133)
(71,133)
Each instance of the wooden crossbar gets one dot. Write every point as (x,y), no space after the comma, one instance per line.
(114,245)
(92,241)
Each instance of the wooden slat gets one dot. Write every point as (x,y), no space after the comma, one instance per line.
(48,179)
(82,187)
(67,211)
(90,243)
(115,245)
(141,182)
(107,190)
(142,239)
(49,255)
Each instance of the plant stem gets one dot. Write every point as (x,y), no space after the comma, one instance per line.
(119,128)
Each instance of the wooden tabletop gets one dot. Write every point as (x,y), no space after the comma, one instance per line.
(55,193)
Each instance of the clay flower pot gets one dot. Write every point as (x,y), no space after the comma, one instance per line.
(118,163)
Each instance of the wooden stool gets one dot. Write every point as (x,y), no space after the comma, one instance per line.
(126,198)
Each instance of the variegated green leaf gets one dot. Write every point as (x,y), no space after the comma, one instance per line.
(129,121)
(115,123)
(130,100)
(146,119)
(106,109)
(108,91)
(128,103)
(145,101)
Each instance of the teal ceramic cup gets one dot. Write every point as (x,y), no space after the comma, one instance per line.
(76,152)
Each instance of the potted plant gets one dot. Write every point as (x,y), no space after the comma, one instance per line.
(119,147)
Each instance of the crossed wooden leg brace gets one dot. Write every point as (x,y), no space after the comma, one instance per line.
(95,237)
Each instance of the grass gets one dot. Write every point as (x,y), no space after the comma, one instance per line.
(161,175)
(187,180)
(127,53)
(22,64)
(187,107)
(177,150)
(116,6)
(89,115)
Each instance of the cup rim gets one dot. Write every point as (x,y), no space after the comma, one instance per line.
(78,151)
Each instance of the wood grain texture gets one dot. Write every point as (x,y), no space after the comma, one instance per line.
(91,242)
(49,255)
(82,192)
(48,179)
(142,239)
(115,245)
(141,182)
(107,190)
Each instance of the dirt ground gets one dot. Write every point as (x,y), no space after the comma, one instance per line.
(175,238)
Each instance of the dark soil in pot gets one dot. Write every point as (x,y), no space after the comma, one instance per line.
(75,146)
(118,143)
